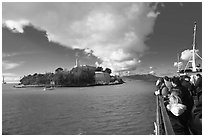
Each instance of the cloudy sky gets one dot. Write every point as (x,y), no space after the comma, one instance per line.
(126,37)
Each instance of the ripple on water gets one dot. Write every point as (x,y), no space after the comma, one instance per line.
(123,110)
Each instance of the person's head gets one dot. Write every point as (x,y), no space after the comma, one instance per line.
(166,78)
(168,84)
(159,82)
(197,76)
(175,81)
(192,79)
(165,92)
(187,78)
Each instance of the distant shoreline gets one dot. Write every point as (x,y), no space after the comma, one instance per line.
(143,77)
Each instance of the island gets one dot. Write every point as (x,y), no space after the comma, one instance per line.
(79,76)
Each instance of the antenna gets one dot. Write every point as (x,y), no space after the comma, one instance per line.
(194,44)
(192,59)
(194,54)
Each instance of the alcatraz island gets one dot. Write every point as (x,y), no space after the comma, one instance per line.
(78,76)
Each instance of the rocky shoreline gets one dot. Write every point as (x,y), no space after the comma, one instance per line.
(85,85)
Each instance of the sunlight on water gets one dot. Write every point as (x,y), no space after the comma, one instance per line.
(121,110)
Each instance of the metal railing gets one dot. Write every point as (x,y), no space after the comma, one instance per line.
(163,124)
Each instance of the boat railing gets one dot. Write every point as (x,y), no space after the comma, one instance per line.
(163,124)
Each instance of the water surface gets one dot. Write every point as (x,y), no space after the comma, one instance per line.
(120,109)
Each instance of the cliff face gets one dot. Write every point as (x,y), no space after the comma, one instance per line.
(145,77)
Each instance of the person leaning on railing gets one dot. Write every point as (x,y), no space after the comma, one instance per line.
(185,94)
(177,103)
(173,103)
(179,107)
(163,87)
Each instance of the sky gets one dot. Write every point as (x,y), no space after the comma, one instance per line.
(128,37)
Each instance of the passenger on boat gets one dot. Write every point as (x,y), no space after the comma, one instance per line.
(185,82)
(175,104)
(177,114)
(186,100)
(167,82)
(185,95)
(195,123)
(198,85)
(162,88)
(192,79)
(165,92)
(159,85)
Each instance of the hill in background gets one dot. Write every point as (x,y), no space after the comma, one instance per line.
(145,77)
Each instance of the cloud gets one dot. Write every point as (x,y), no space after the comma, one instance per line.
(9,65)
(114,32)
(187,54)
(152,72)
(153,14)
(127,65)
(178,64)
(16,26)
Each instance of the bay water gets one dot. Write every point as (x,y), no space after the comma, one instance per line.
(126,109)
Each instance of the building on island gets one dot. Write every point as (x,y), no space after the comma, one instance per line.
(102,77)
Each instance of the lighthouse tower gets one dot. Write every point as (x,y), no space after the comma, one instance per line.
(77,61)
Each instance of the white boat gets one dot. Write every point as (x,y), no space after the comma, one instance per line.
(48,88)
(19,86)
(4,82)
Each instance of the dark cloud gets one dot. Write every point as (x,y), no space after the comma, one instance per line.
(36,52)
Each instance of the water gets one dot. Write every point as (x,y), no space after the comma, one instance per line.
(127,109)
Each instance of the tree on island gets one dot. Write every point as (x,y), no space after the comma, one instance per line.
(107,70)
(99,69)
(58,70)
(77,76)
(37,79)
